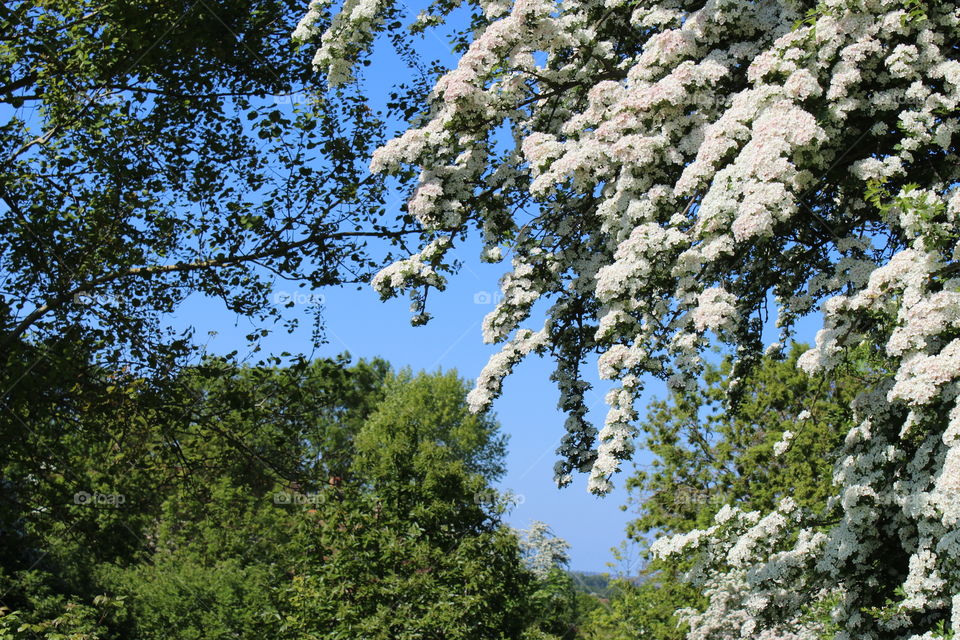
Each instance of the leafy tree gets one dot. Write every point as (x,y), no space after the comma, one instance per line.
(638,611)
(412,549)
(195,489)
(228,532)
(151,152)
(554,596)
(426,418)
(159,150)
(313,500)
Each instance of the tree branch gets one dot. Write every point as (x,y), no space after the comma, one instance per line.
(184,267)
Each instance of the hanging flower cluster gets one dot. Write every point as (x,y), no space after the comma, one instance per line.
(667,173)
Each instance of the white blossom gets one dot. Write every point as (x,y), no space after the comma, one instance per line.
(688,166)
(781,446)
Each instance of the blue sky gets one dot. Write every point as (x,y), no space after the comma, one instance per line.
(358,322)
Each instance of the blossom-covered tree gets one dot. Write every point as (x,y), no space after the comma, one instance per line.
(665,173)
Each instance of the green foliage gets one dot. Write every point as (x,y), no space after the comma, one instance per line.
(190,595)
(410,550)
(316,500)
(423,427)
(369,571)
(152,152)
(709,452)
(558,605)
(926,216)
(74,622)
(161,150)
(644,610)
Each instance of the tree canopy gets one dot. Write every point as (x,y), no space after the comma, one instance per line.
(159,150)
(321,500)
